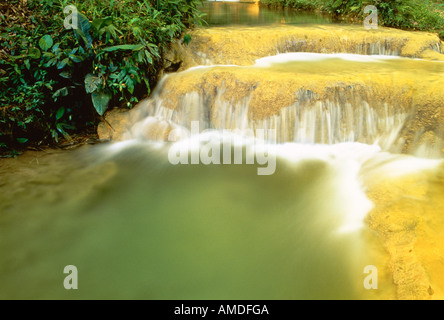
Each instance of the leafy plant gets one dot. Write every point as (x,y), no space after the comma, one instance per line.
(55,82)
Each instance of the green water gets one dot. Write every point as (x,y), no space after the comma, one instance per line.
(219,13)
(137,227)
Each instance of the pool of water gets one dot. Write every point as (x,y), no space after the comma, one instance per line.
(137,227)
(221,13)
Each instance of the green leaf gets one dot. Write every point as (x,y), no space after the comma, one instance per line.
(60,113)
(130,87)
(137,31)
(60,93)
(111,31)
(48,55)
(51,63)
(62,131)
(112,67)
(34,53)
(17,69)
(98,24)
(55,135)
(46,42)
(153,49)
(337,3)
(100,101)
(133,47)
(66,75)
(55,48)
(85,26)
(187,39)
(76,58)
(22,140)
(62,63)
(84,31)
(92,83)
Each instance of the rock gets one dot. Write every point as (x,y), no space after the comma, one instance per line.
(115,125)
(243,46)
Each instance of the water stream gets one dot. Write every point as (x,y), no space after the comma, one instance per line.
(357,181)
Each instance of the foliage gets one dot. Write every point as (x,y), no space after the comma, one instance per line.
(422,15)
(55,81)
(299,4)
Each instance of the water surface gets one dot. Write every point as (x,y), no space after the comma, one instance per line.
(137,227)
(220,13)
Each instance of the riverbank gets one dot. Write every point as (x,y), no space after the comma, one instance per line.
(420,15)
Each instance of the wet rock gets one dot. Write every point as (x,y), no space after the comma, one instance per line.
(408,218)
(222,45)
(115,125)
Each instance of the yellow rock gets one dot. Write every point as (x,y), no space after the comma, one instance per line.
(243,45)
(408,218)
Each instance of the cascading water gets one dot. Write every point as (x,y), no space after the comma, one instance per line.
(343,195)
(350,98)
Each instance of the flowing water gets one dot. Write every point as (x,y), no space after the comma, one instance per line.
(352,148)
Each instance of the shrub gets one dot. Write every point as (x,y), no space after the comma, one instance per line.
(56,81)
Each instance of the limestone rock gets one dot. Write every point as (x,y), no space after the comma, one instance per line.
(115,125)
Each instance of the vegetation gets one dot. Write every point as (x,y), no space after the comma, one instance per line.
(425,15)
(57,81)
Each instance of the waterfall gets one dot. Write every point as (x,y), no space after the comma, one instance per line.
(307,98)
